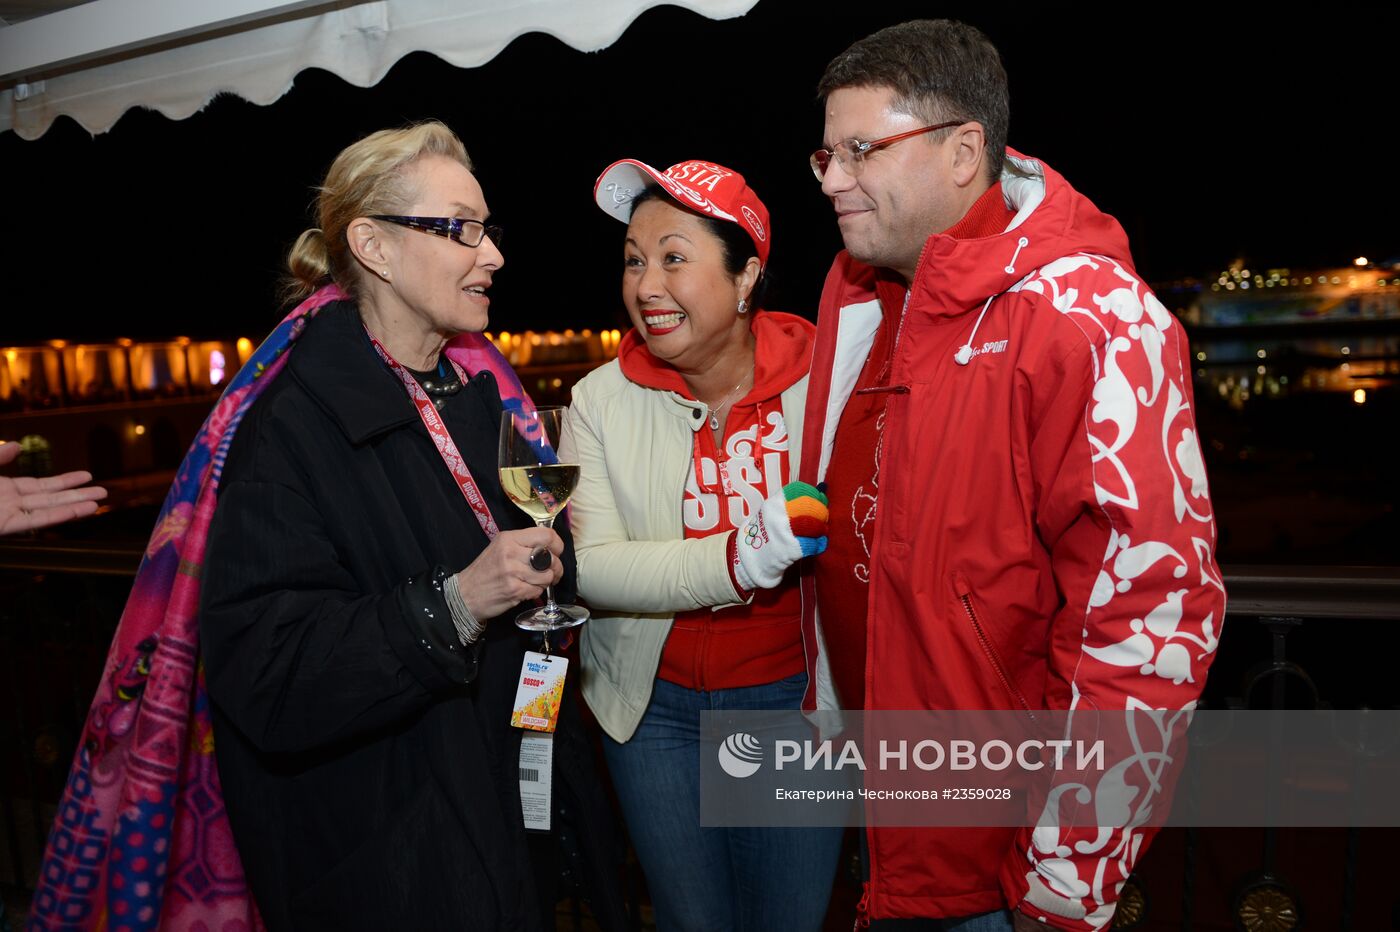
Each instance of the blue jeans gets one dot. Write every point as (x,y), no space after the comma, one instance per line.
(714,879)
(996,921)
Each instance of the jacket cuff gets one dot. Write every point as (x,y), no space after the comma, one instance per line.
(1026,892)
(425,637)
(732,561)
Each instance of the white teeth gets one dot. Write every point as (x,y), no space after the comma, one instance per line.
(664,320)
(475,289)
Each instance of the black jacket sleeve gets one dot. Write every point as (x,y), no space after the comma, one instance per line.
(295,654)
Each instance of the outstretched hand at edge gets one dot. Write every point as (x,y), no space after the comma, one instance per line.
(27,503)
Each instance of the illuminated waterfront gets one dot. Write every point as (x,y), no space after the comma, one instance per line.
(1297,381)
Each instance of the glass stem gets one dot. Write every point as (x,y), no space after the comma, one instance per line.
(551,608)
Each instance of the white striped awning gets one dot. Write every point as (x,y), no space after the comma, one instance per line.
(95,60)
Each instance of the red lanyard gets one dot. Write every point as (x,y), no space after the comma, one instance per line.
(443,440)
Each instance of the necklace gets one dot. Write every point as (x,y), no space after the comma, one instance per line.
(439,385)
(439,389)
(714,411)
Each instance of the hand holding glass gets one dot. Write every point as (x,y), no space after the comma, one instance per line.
(540,485)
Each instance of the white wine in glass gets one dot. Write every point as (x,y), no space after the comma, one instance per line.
(540,486)
(540,491)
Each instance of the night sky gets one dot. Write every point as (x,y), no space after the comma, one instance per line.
(1209,138)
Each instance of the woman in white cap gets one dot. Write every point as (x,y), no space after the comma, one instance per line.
(685,536)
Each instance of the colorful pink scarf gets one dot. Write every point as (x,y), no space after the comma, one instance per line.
(142,840)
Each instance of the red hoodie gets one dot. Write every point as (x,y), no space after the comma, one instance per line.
(743,645)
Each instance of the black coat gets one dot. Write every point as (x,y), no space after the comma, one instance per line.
(367,760)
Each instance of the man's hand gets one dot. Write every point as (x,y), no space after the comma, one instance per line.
(27,503)
(502,576)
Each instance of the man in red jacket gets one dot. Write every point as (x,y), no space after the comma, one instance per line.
(1002,413)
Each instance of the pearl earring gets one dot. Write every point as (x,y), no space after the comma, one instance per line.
(743,306)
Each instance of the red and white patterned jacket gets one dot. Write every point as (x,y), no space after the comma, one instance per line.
(1044,536)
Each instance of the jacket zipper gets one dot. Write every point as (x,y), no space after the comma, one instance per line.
(881,387)
(991,653)
(877,389)
(705,437)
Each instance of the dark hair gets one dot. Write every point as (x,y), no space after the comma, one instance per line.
(738,247)
(939,69)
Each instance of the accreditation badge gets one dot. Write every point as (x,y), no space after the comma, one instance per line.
(539,692)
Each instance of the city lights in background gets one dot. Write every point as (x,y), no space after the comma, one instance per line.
(552,348)
(1362,274)
(62,372)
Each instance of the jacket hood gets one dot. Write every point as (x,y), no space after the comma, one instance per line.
(782,355)
(1052,220)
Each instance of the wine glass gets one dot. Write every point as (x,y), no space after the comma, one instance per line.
(540,485)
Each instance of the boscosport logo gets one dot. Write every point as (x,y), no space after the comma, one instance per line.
(740,755)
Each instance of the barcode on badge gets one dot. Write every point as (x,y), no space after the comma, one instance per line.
(529,775)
